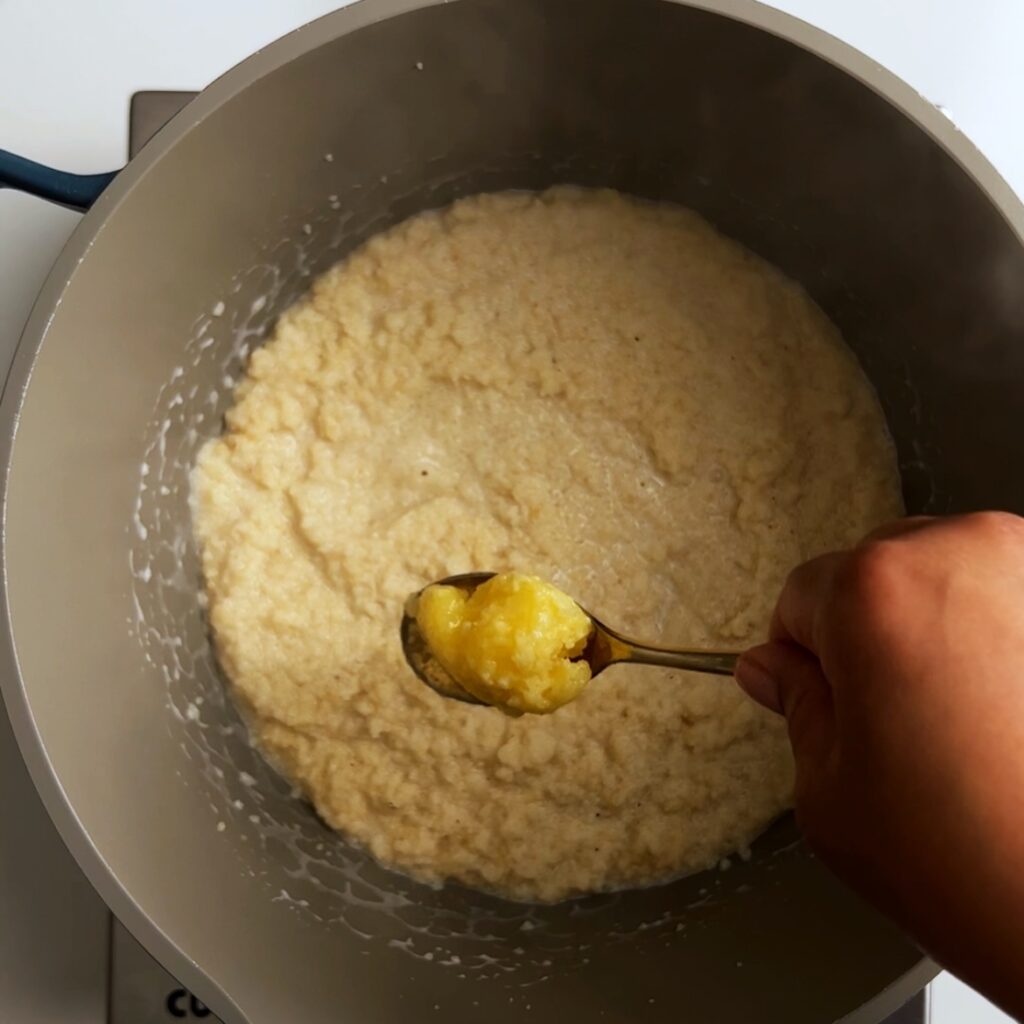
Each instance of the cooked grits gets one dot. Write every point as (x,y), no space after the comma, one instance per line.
(602,391)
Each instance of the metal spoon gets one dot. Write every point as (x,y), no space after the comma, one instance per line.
(605,647)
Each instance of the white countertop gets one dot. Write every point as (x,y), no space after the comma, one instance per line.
(68,68)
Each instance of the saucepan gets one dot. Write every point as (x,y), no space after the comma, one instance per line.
(803,149)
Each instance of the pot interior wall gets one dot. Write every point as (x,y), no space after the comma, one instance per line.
(780,149)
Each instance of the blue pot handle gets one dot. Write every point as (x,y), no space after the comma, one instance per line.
(75,191)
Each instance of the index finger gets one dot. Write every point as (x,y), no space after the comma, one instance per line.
(900,528)
(799,612)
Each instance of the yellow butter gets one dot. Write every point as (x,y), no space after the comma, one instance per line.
(510,642)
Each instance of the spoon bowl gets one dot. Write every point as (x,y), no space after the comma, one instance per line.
(417,651)
(606,646)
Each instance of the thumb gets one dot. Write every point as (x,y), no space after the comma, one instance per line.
(787,679)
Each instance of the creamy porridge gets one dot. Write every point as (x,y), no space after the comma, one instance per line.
(604,392)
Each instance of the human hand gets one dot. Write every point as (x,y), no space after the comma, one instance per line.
(899,666)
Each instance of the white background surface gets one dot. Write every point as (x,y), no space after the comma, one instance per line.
(68,68)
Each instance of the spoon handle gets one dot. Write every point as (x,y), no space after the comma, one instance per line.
(719,663)
(618,648)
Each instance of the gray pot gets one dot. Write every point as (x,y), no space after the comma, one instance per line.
(788,140)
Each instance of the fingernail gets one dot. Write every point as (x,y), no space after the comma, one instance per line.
(758,683)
